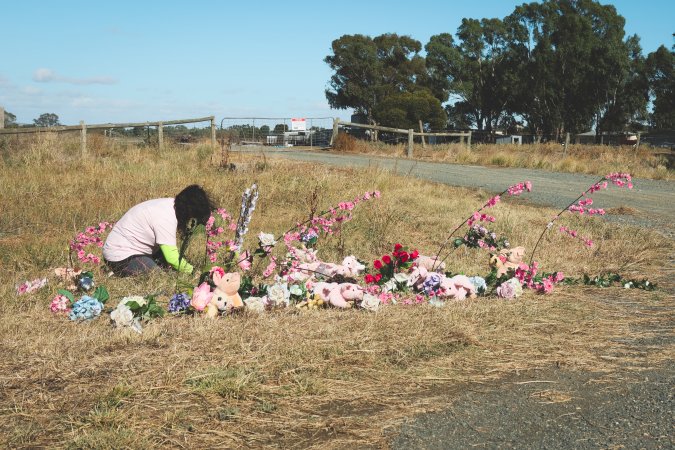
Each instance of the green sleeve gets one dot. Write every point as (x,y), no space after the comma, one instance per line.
(171,255)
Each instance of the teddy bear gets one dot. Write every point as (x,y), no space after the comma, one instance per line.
(508,258)
(457,287)
(340,295)
(226,294)
(353,266)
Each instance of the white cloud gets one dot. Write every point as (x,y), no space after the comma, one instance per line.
(31,90)
(43,75)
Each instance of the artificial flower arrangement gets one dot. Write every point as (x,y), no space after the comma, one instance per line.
(30,286)
(132,311)
(221,289)
(301,281)
(90,304)
(85,241)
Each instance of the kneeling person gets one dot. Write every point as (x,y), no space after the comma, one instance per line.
(146,234)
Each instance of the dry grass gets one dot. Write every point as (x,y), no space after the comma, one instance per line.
(320,379)
(590,159)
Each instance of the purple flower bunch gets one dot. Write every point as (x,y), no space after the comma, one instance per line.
(179,303)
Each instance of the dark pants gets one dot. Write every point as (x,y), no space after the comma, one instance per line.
(137,264)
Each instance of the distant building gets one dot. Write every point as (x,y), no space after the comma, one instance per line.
(512,139)
(607,138)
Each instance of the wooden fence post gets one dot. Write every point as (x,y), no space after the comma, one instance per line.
(83,139)
(567,143)
(422,131)
(213,132)
(160,135)
(410,143)
(336,123)
(468,140)
(2,117)
(637,144)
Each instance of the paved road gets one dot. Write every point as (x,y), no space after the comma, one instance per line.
(652,200)
(553,409)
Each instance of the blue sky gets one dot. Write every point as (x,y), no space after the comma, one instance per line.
(135,61)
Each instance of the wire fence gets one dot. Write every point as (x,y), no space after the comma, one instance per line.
(280,132)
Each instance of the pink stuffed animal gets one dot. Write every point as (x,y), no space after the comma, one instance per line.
(353,266)
(458,287)
(340,295)
(430,263)
(350,267)
(305,255)
(323,290)
(345,295)
(506,259)
(417,277)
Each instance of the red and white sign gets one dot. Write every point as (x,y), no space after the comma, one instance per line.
(299,124)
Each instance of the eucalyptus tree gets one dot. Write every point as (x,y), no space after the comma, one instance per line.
(574,67)
(471,71)
(369,70)
(660,71)
(47,120)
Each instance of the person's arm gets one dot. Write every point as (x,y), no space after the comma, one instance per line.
(171,255)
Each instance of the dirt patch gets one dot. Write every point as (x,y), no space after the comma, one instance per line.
(623,211)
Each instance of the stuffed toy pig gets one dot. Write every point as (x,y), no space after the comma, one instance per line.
(353,266)
(457,287)
(340,295)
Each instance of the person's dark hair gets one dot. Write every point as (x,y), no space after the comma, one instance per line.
(193,202)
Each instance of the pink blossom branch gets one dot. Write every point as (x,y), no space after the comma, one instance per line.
(325,223)
(476,216)
(618,179)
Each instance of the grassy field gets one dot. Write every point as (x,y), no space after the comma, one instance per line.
(328,379)
(591,159)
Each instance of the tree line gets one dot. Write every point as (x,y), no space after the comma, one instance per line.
(44,120)
(556,66)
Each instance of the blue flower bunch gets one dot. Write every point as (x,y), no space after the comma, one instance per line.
(179,303)
(86,308)
(479,283)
